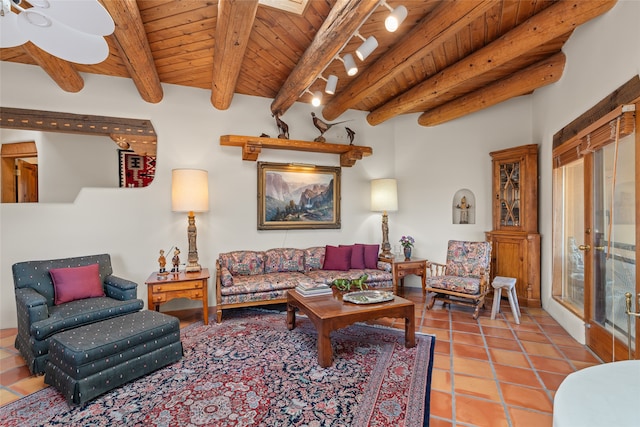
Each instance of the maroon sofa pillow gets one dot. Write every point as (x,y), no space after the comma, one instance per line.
(337,258)
(74,283)
(357,255)
(370,255)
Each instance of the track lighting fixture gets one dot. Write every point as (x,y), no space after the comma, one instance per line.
(317,98)
(350,64)
(367,47)
(369,44)
(395,18)
(332,83)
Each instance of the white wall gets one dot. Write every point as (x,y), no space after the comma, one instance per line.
(134,224)
(69,162)
(434,163)
(601,56)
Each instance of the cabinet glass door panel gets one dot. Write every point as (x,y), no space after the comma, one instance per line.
(510,194)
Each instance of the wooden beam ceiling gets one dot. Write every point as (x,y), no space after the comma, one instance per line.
(558,19)
(448,59)
(343,20)
(235,21)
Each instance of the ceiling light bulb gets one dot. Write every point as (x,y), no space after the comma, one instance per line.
(395,18)
(317,98)
(366,48)
(332,82)
(350,65)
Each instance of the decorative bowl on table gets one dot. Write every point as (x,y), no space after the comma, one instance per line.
(368,297)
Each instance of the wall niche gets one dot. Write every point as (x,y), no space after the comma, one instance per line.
(463,207)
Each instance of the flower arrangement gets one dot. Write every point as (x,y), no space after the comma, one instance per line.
(407,241)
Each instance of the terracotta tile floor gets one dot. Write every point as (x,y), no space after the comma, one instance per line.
(486,373)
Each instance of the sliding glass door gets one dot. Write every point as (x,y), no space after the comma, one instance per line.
(613,254)
(595,210)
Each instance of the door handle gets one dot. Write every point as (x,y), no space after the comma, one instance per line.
(585,248)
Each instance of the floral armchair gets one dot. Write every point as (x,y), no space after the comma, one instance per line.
(464,279)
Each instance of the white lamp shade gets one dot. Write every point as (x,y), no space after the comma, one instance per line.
(350,65)
(366,48)
(395,18)
(332,83)
(189,190)
(384,195)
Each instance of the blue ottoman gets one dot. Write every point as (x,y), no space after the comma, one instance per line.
(88,361)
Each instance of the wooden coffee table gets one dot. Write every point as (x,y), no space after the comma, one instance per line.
(329,313)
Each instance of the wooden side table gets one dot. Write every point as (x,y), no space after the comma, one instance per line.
(192,285)
(402,267)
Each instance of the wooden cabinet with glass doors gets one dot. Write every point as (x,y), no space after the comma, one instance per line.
(515,238)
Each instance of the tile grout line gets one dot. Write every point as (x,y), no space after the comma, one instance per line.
(495,374)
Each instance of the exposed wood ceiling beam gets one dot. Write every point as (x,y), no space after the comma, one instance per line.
(343,20)
(131,39)
(521,83)
(233,28)
(62,72)
(556,20)
(440,25)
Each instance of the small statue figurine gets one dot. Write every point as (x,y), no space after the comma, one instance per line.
(162,261)
(176,261)
(464,210)
(283,128)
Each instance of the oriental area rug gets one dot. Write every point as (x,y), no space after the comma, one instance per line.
(250,370)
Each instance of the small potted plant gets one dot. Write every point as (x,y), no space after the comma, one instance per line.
(407,243)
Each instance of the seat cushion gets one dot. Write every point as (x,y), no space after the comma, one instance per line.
(264,283)
(81,312)
(465,285)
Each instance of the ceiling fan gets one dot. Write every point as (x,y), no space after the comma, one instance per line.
(72,30)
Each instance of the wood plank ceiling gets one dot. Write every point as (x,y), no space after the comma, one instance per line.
(448,59)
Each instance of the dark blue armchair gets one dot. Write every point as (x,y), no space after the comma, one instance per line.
(39,318)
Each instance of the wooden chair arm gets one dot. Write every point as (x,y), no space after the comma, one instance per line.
(436,269)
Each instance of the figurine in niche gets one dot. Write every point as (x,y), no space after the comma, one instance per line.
(176,261)
(162,262)
(350,134)
(464,210)
(283,128)
(323,126)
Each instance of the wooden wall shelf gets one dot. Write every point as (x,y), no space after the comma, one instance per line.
(253,145)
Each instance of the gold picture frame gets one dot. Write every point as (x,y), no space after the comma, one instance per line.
(295,196)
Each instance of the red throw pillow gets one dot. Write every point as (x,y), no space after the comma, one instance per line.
(370,255)
(357,255)
(75,283)
(337,258)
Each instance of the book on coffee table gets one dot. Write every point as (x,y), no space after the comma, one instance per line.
(313,289)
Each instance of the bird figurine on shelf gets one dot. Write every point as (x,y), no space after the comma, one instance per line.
(323,126)
(283,128)
(350,134)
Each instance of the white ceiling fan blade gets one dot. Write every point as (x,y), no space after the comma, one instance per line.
(62,41)
(10,34)
(87,16)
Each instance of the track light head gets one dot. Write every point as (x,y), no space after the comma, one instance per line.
(395,18)
(332,83)
(366,48)
(350,65)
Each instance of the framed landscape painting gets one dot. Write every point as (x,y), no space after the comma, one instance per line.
(298,196)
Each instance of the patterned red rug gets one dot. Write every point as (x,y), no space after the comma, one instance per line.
(251,370)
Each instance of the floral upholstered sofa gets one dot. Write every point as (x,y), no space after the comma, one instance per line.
(248,278)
